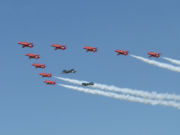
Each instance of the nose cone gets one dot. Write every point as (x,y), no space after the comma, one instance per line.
(116,50)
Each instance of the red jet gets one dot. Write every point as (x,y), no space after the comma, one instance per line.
(121,52)
(45,74)
(50,82)
(32,56)
(26,44)
(153,54)
(91,49)
(39,65)
(57,46)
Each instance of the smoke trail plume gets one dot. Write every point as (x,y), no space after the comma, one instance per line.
(123,97)
(159,64)
(144,94)
(172,60)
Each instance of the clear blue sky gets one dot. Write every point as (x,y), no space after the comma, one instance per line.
(29,107)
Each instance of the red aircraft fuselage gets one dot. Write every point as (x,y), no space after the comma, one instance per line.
(58,46)
(153,54)
(37,65)
(50,82)
(90,49)
(121,52)
(45,74)
(26,44)
(32,56)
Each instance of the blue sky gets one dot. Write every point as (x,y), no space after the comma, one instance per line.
(30,107)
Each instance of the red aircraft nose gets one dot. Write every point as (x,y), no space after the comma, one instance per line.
(117,51)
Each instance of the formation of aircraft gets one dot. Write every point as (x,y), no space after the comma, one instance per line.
(63,47)
(88,84)
(37,65)
(153,54)
(121,52)
(26,44)
(68,71)
(58,46)
(32,56)
(90,49)
(45,74)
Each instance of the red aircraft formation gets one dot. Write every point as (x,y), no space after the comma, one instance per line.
(63,47)
(36,56)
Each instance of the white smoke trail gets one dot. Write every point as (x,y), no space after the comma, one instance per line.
(123,97)
(144,94)
(159,64)
(172,60)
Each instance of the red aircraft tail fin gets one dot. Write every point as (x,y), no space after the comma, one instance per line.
(63,47)
(31,45)
(125,52)
(42,66)
(94,49)
(157,55)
